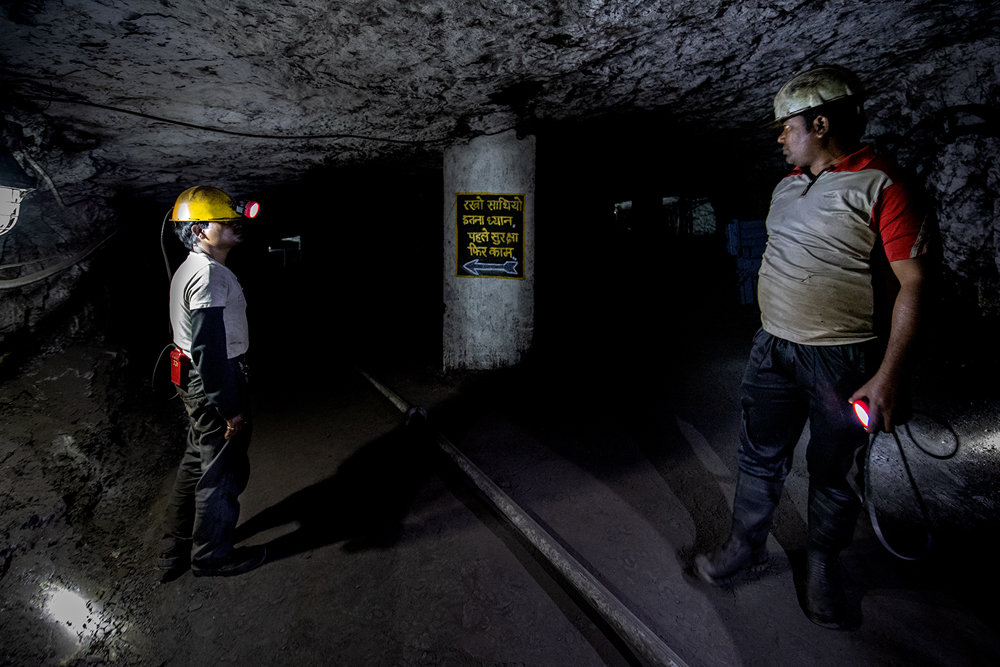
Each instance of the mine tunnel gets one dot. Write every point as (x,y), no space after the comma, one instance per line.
(501,294)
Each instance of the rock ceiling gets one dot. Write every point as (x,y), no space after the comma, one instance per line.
(150,95)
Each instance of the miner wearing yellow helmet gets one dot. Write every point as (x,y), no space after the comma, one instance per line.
(211,340)
(840,226)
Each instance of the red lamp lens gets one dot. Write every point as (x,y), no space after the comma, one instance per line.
(251,209)
(861,411)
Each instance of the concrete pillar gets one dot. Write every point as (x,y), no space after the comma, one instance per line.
(489,317)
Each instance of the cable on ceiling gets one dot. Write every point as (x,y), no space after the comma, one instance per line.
(55,268)
(235,133)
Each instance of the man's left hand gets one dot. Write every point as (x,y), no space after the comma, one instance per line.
(887,407)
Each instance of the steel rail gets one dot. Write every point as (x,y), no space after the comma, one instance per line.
(611,609)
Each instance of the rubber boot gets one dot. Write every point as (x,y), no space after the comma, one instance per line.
(832,517)
(174,559)
(753,507)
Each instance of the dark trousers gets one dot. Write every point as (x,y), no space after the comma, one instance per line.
(204,505)
(787,383)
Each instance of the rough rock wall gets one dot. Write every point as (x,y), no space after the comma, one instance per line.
(965,181)
(43,264)
(417,77)
(941,119)
(425,76)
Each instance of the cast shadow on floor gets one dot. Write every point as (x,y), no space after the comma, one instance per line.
(362,505)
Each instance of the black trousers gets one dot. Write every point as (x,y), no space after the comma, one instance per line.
(204,505)
(786,384)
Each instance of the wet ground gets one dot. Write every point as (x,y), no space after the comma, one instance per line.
(381,552)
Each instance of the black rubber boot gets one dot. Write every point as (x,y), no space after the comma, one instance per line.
(753,508)
(832,517)
(826,603)
(174,559)
(240,560)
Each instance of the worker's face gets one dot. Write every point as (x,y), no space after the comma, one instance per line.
(799,144)
(221,234)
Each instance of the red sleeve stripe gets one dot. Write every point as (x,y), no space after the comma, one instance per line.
(900,220)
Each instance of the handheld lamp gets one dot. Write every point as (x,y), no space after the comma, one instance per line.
(861,412)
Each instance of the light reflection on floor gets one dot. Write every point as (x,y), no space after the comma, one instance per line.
(82,619)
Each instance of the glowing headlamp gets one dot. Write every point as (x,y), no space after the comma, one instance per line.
(249,209)
(861,412)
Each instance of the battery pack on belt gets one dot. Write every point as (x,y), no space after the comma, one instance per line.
(179,365)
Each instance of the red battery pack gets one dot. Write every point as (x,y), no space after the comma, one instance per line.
(179,365)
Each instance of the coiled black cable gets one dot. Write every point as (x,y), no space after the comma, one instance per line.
(925,514)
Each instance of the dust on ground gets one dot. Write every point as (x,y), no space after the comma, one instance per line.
(84,451)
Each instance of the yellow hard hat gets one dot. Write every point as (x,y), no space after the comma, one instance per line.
(815,87)
(204,203)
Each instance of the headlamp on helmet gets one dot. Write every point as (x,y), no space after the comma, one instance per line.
(249,209)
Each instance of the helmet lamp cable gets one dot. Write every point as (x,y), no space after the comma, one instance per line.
(165,352)
(163,245)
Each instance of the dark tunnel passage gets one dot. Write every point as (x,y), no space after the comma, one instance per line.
(618,433)
(361,273)
(365,263)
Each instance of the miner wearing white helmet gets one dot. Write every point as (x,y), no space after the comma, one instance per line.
(843,233)
(211,340)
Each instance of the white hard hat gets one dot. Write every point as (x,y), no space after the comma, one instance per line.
(815,87)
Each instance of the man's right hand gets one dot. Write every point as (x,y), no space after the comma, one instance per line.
(234,426)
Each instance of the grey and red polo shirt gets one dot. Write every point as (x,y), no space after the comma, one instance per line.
(815,284)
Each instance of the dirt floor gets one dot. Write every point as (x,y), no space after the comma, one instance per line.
(381,553)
